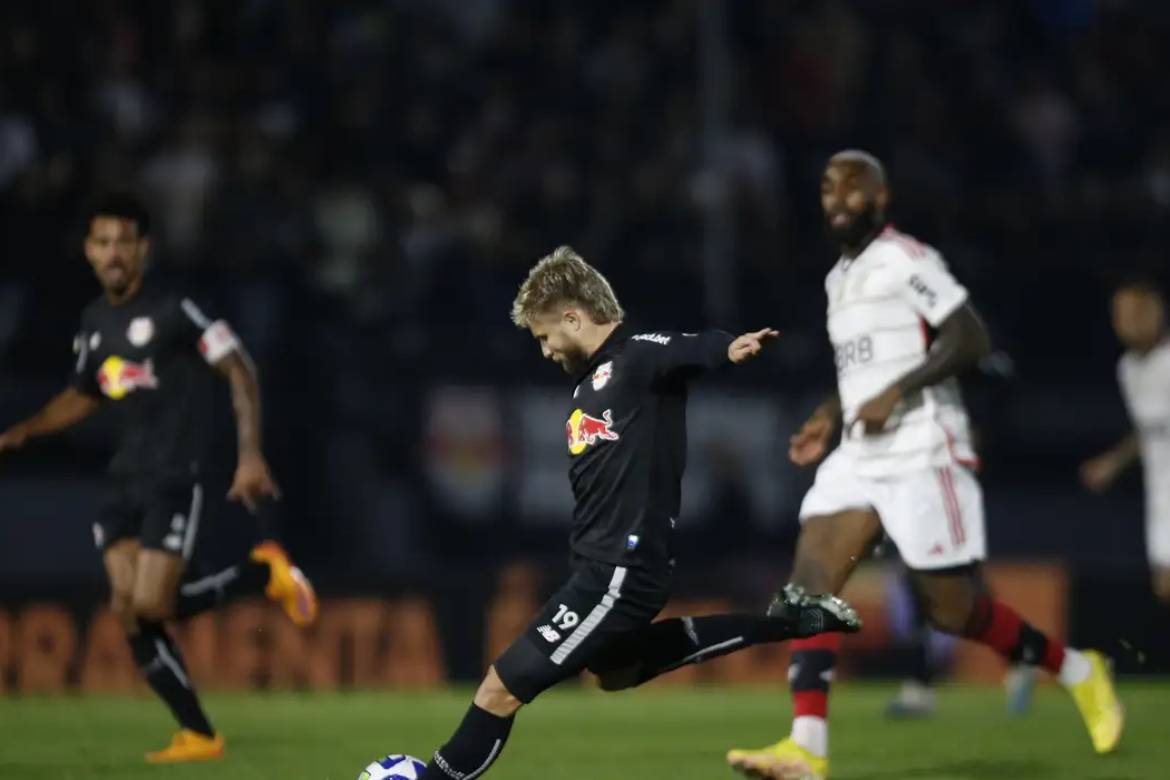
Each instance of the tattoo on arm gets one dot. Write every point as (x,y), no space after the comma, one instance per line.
(245,388)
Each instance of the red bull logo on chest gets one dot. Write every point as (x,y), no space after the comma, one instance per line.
(118,377)
(584,430)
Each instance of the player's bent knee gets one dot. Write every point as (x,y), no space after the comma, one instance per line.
(495,697)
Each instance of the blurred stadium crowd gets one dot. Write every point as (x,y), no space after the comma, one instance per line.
(360,187)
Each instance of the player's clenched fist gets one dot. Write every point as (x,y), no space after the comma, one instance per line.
(749,345)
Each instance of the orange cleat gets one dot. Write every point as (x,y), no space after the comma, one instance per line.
(287,584)
(188,746)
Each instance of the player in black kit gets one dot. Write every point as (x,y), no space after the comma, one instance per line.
(145,353)
(626,432)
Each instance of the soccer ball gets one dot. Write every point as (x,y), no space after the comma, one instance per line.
(394,768)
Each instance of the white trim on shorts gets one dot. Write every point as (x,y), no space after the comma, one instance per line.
(595,617)
(192,521)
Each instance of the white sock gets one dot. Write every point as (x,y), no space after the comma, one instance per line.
(812,734)
(1075,669)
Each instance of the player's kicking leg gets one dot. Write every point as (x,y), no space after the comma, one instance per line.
(828,549)
(600,620)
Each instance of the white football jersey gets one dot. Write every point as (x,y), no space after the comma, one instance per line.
(1145,381)
(882,305)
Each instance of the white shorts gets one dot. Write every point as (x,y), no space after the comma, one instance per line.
(934,516)
(1158,536)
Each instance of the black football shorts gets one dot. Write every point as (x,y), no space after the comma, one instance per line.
(162,515)
(598,606)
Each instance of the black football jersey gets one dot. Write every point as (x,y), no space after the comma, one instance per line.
(627,441)
(148,359)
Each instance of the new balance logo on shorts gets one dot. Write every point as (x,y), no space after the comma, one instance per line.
(549,633)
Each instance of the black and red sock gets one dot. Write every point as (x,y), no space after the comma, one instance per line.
(998,626)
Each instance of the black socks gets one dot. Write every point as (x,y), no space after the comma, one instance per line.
(214,590)
(161,664)
(474,747)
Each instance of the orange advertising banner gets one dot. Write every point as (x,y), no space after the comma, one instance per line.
(395,643)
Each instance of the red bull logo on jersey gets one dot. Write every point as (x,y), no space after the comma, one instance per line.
(584,430)
(117,377)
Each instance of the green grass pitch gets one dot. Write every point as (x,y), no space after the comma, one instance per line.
(668,733)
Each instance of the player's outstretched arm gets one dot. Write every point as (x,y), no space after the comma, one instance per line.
(65,410)
(252,480)
(686,356)
(1098,474)
(962,341)
(747,346)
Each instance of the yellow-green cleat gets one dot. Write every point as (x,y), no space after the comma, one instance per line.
(1098,703)
(785,760)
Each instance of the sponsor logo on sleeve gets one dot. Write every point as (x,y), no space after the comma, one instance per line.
(924,290)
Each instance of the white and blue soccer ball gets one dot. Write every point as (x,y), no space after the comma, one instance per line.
(394,768)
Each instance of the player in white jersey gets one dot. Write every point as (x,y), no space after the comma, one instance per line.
(1139,318)
(902,328)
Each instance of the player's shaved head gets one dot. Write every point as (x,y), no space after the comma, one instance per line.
(863,160)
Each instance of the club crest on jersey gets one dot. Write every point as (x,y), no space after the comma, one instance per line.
(141,331)
(95,341)
(584,430)
(602,374)
(119,377)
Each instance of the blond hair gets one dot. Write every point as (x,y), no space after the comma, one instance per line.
(565,278)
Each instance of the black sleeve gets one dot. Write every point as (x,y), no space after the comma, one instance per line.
(190,320)
(84,375)
(683,356)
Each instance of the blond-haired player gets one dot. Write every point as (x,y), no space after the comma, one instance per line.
(625,430)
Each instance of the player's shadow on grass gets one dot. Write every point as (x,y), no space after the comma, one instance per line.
(967,769)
